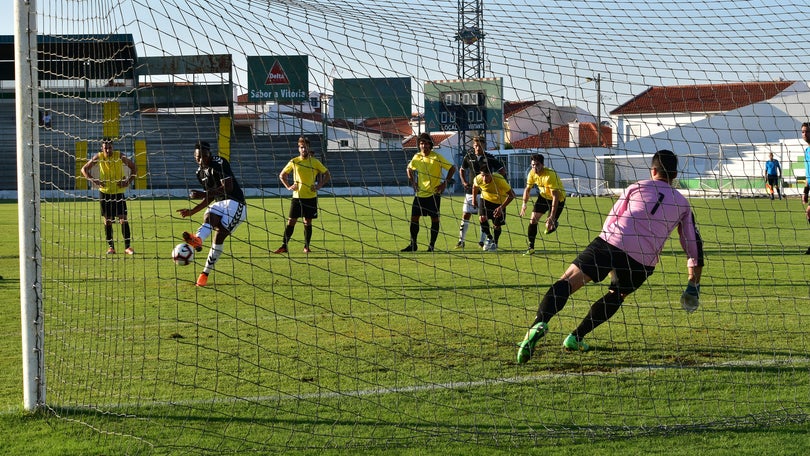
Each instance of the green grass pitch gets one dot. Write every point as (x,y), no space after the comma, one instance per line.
(358,346)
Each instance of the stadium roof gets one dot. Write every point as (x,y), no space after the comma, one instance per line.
(75,56)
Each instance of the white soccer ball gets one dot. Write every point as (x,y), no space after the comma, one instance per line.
(183,254)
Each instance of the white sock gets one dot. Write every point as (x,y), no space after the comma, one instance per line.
(465,225)
(204,231)
(213,256)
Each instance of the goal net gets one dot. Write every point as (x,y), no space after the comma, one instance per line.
(355,344)
(614,173)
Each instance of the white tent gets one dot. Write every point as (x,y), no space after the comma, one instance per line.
(771,121)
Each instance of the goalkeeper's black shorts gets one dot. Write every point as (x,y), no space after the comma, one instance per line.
(600,258)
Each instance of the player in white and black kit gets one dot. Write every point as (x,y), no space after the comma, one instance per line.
(226,213)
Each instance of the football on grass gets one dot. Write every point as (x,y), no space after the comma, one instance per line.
(183,254)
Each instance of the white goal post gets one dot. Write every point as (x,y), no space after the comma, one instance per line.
(28,173)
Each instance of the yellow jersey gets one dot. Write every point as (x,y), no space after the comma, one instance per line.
(428,172)
(110,172)
(546,181)
(305,171)
(496,190)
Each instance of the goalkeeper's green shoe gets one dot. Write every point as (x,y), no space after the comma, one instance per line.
(571,343)
(526,348)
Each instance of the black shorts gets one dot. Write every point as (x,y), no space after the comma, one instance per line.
(113,205)
(487,208)
(428,206)
(773,180)
(599,258)
(542,205)
(304,207)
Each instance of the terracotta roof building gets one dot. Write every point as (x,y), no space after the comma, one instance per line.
(662,108)
(706,98)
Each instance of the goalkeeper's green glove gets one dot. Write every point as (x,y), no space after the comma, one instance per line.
(690,299)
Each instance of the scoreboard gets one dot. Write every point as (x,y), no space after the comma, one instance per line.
(463,111)
(464,105)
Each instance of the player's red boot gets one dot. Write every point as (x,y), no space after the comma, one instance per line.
(192,240)
(202,280)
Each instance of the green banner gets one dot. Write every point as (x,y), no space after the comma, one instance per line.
(372,97)
(278,78)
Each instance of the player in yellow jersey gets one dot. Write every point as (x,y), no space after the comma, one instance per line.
(551,198)
(496,194)
(112,180)
(467,172)
(309,175)
(425,176)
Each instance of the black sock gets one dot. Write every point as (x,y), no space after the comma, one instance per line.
(434,232)
(532,234)
(108,232)
(554,300)
(600,312)
(127,234)
(288,232)
(414,232)
(485,229)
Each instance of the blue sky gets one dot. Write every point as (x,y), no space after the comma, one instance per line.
(542,50)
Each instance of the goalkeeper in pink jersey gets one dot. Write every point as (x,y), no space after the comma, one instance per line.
(627,249)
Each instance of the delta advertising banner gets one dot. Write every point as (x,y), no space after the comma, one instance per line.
(278,78)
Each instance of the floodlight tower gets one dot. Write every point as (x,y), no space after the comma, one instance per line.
(470,38)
